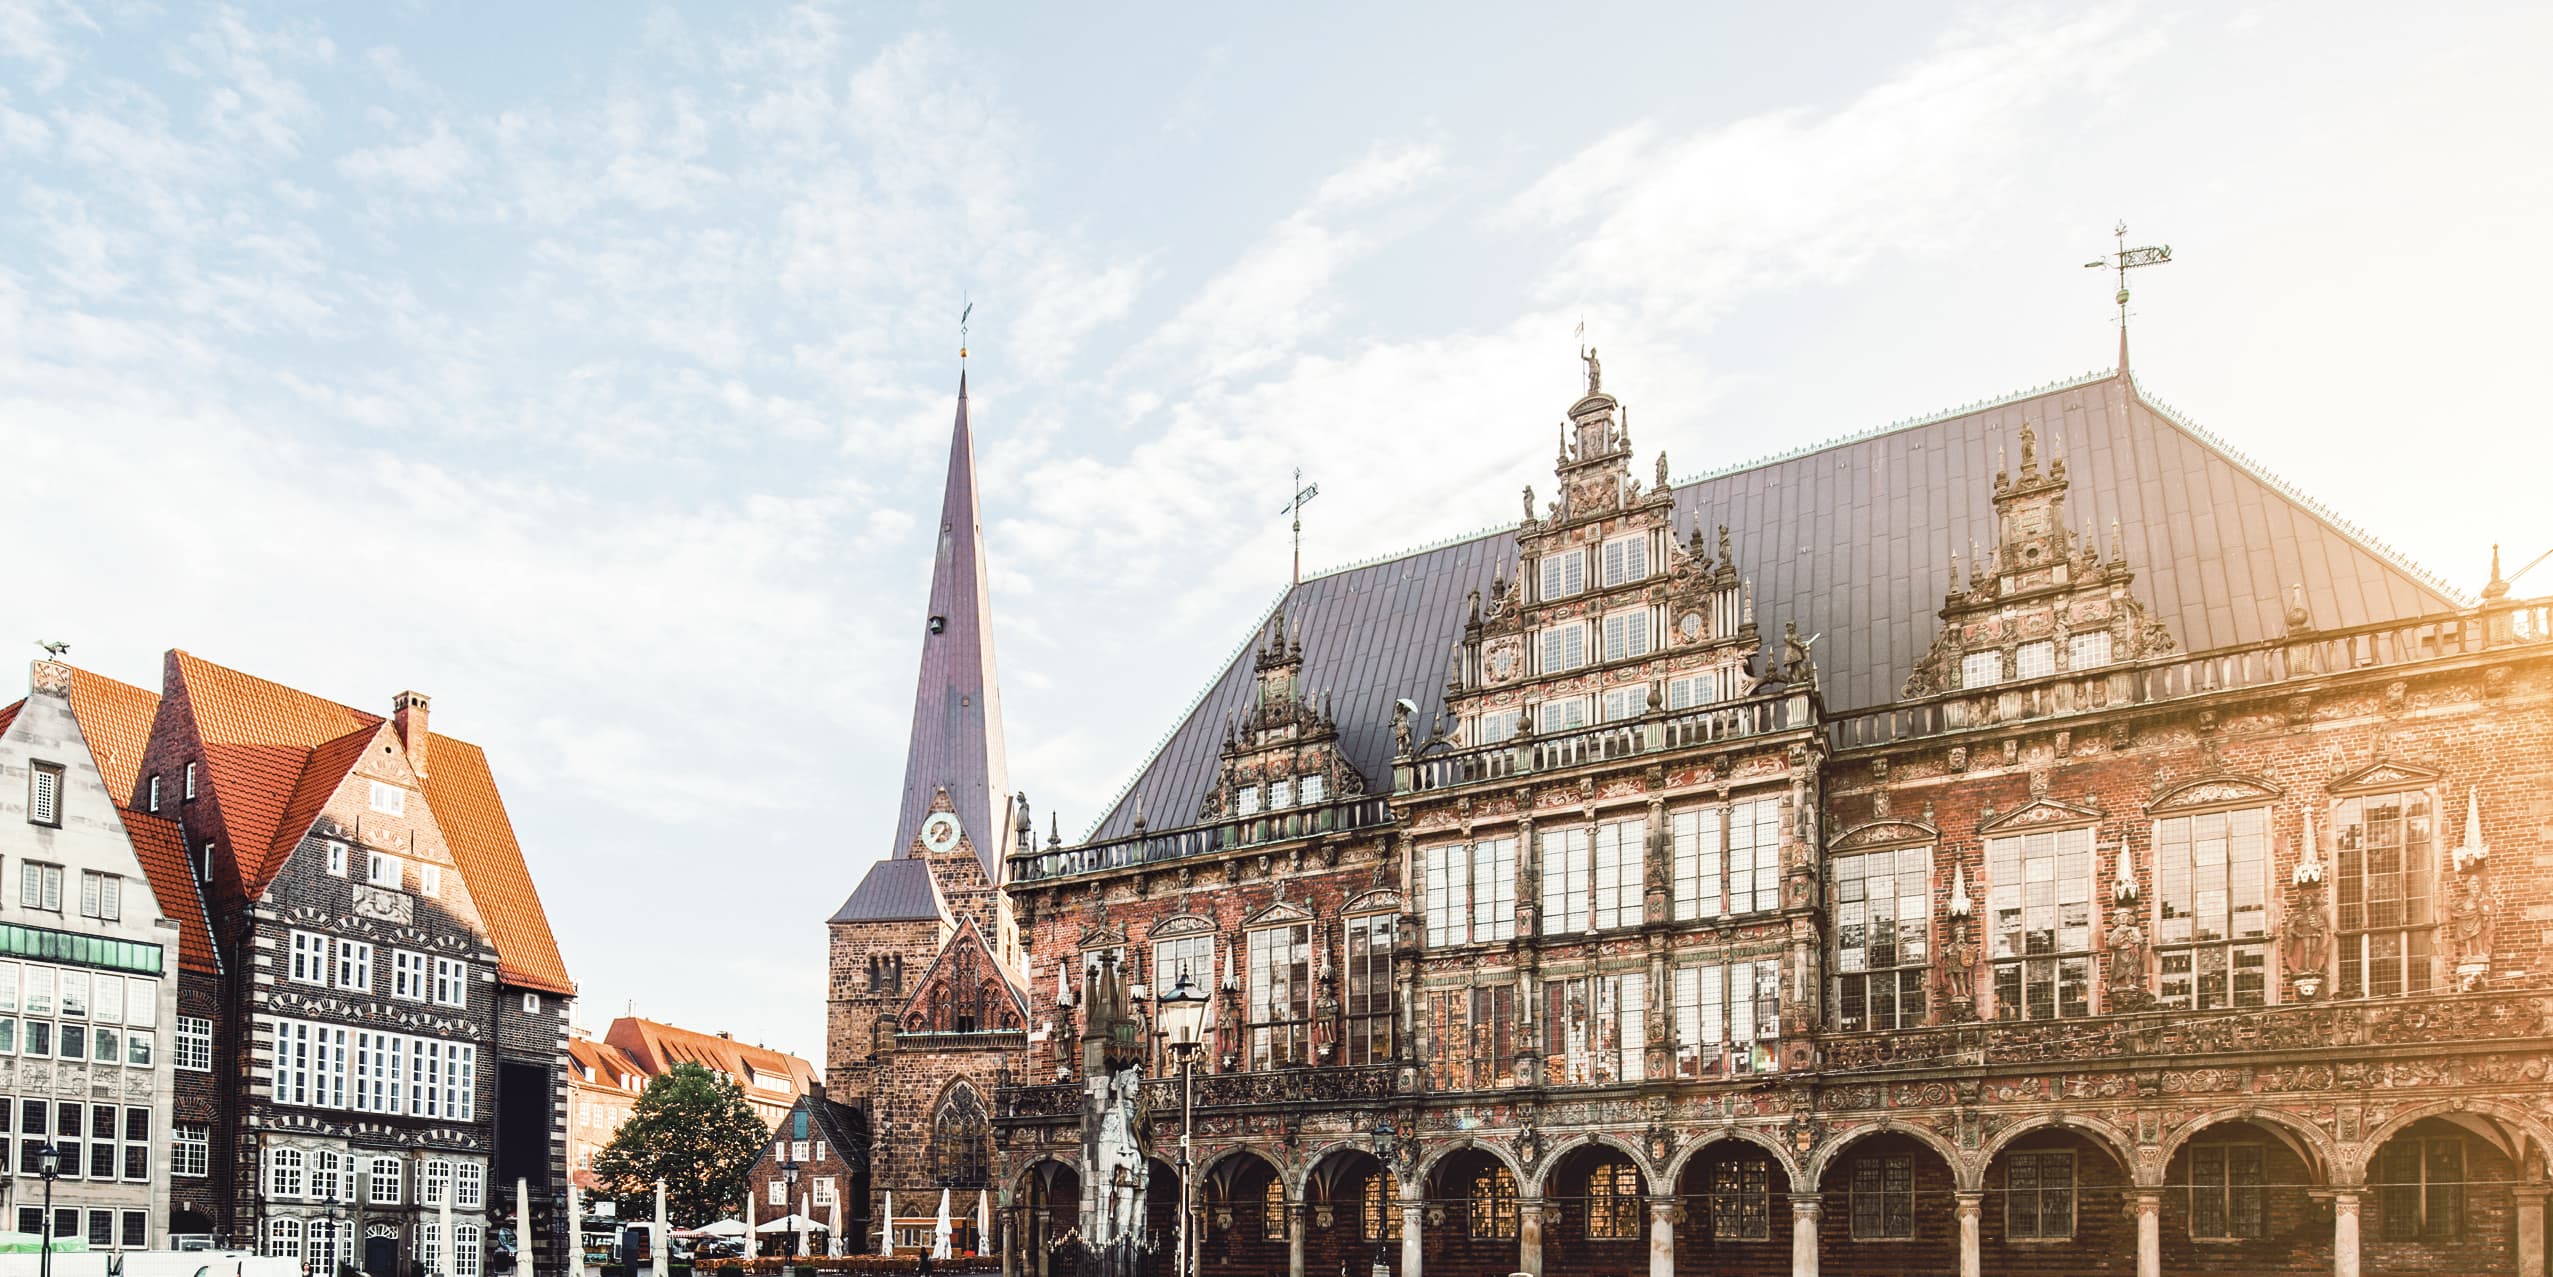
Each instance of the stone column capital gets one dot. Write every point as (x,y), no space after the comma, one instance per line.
(1809,1204)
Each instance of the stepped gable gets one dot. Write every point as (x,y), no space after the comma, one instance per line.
(1852,540)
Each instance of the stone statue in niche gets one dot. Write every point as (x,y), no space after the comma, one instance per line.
(2472,915)
(2125,989)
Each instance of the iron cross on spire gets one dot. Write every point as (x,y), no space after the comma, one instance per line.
(1302,492)
(2124,260)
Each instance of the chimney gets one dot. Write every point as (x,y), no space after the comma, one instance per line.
(408,711)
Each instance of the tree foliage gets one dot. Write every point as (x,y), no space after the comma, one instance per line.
(694,1130)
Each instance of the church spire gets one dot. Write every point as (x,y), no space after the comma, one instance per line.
(957,701)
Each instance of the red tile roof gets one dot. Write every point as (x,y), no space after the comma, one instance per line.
(9,713)
(659,1047)
(162,850)
(608,1064)
(462,791)
(116,718)
(277,754)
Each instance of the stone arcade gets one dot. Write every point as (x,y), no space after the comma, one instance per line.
(2121,867)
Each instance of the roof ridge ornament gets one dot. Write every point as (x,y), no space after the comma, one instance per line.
(2124,260)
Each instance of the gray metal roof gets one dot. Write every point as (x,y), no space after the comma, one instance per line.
(896,889)
(1853,540)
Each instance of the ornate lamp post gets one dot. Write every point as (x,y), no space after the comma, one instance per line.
(48,1163)
(1385,1140)
(1184,1008)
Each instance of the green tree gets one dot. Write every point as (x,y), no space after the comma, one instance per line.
(694,1130)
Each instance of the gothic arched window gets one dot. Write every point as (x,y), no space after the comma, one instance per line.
(960,1140)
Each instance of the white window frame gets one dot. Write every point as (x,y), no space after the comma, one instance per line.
(1622,703)
(44,794)
(1245,801)
(1570,710)
(2088,651)
(194,1044)
(381,869)
(1562,647)
(337,858)
(1564,574)
(1727,1018)
(1620,878)
(1626,559)
(410,975)
(101,896)
(1311,788)
(190,1153)
(154,804)
(353,968)
(469,1186)
(1628,635)
(1494,726)
(1975,671)
(2035,659)
(388,799)
(383,1181)
(308,961)
(1568,876)
(286,1171)
(430,880)
(451,983)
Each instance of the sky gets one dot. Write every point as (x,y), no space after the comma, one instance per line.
(590,366)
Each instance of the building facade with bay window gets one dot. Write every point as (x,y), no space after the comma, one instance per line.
(2029,839)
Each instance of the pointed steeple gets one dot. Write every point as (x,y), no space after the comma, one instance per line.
(957,701)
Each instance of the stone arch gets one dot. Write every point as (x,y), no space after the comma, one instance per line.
(2516,1131)
(1741,1135)
(1028,1173)
(1962,1173)
(961,1136)
(2305,1139)
(1593,1139)
(1301,1182)
(2119,1144)
(1428,1161)
(1213,1162)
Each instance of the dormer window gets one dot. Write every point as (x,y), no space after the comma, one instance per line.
(2087,651)
(1280,794)
(1247,801)
(1313,789)
(1626,559)
(1981,669)
(1564,574)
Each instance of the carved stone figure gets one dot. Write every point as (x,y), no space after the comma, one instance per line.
(1959,969)
(2127,957)
(1798,669)
(1662,469)
(1400,729)
(2472,915)
(1595,369)
(2307,944)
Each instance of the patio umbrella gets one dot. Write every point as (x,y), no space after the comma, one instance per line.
(792,1222)
(886,1225)
(983,1221)
(723,1228)
(752,1243)
(940,1229)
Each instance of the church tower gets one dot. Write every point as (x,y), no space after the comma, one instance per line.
(956,819)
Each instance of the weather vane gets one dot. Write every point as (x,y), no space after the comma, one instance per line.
(962,317)
(2125,260)
(1302,492)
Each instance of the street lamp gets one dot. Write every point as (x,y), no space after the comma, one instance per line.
(788,1206)
(48,1163)
(1184,1008)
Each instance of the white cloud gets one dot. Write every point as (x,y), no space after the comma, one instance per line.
(431,163)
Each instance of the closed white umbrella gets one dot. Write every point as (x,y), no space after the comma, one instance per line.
(940,1229)
(575,1230)
(886,1225)
(752,1243)
(833,1228)
(983,1220)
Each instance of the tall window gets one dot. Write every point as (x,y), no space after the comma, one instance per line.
(1626,559)
(1613,1203)
(1564,647)
(1728,1018)
(1618,862)
(1490,1210)
(194,1044)
(1726,859)
(1564,574)
(1472,1035)
(40,886)
(44,793)
(2038,1195)
(961,1140)
(1740,1207)
(2211,927)
(1883,916)
(191,1149)
(1566,898)
(101,896)
(1275,1211)
(1882,1198)
(1471,892)
(2420,1189)
(354,965)
(283,1237)
(1382,1208)
(1192,955)
(2041,900)
(1280,993)
(2228,1196)
(1595,1028)
(1369,988)
(1626,634)
(284,1171)
(2387,865)
(309,958)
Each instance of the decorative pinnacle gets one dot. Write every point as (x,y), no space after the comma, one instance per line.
(2309,865)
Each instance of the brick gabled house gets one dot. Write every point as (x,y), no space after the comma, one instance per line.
(375,1019)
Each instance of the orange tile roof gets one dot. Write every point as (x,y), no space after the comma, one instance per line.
(461,789)
(116,718)
(162,850)
(609,1064)
(662,1046)
(9,713)
(276,755)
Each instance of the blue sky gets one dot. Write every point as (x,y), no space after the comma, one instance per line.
(590,366)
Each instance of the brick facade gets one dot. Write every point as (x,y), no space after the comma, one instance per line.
(2111,956)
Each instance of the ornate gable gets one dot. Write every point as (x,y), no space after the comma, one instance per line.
(1284,751)
(2214,791)
(1277,911)
(965,991)
(2036,813)
(2040,599)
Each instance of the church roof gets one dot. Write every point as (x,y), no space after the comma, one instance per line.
(1852,539)
(956,742)
(896,890)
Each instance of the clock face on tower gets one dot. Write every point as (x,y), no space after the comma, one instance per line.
(939,833)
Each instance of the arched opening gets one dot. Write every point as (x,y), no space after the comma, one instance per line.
(1161,1213)
(1049,1213)
(1469,1222)
(1245,1216)
(2055,1192)
(2243,1197)
(1595,1213)
(2441,1198)
(961,1140)
(1354,1203)
(1889,1204)
(1737,1211)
